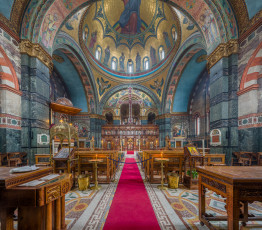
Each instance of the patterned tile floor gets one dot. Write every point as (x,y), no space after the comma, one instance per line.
(174,208)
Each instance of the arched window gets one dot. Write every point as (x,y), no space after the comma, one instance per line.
(130,66)
(161,53)
(174,33)
(98,54)
(146,63)
(197,124)
(114,63)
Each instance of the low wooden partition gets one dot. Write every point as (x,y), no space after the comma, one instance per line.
(175,164)
(176,159)
(107,167)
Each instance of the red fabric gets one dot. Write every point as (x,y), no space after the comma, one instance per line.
(130,152)
(131,207)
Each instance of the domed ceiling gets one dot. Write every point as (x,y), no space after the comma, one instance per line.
(129,39)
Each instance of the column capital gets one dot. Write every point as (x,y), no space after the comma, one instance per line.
(97,116)
(163,116)
(36,50)
(223,50)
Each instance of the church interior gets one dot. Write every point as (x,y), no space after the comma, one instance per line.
(130,114)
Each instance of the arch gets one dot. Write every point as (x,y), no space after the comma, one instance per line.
(252,72)
(64,41)
(118,88)
(191,46)
(220,14)
(7,72)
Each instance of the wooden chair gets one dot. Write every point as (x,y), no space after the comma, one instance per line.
(16,159)
(42,159)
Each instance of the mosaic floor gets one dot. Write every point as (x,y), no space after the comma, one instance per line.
(174,208)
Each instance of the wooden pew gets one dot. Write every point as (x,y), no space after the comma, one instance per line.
(214,159)
(42,159)
(176,157)
(15,159)
(108,166)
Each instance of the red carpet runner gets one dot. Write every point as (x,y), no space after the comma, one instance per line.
(131,207)
(130,152)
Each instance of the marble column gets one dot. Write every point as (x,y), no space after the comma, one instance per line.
(223,65)
(35,85)
(164,123)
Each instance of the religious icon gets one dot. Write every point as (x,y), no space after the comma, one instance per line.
(168,44)
(49,28)
(130,20)
(122,63)
(153,55)
(92,143)
(107,55)
(92,40)
(138,62)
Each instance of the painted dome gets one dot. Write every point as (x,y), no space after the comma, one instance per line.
(129,38)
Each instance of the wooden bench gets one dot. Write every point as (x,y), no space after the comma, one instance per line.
(214,159)
(107,167)
(42,159)
(15,159)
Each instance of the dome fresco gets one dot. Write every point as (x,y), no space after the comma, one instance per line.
(129,43)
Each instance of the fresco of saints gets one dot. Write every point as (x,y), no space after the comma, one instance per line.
(92,40)
(49,29)
(122,62)
(138,62)
(153,55)
(130,20)
(107,55)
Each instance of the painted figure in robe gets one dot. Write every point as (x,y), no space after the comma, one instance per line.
(107,55)
(130,20)
(168,44)
(49,28)
(92,40)
(122,63)
(153,55)
(138,62)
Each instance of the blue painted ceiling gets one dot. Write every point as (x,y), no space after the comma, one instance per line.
(187,82)
(72,81)
(253,6)
(6,7)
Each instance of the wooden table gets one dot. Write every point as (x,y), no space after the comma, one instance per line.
(41,204)
(236,184)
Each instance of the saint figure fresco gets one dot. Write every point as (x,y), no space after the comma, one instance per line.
(138,62)
(153,55)
(130,20)
(122,63)
(107,55)
(92,40)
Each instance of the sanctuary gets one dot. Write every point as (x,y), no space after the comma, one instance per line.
(130,114)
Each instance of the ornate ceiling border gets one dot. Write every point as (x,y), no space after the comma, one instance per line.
(223,50)
(17,13)
(36,50)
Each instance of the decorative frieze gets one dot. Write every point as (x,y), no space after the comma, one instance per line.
(223,50)
(10,122)
(250,121)
(36,50)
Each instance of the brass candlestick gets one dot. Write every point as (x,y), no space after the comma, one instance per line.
(95,161)
(162,160)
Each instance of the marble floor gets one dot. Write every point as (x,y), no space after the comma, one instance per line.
(174,208)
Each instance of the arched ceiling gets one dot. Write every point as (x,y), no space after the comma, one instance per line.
(187,30)
(42,21)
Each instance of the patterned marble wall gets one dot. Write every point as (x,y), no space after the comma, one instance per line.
(35,105)
(250,90)
(200,105)
(10,95)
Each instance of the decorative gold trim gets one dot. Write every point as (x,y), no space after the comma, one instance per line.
(36,50)
(223,50)
(17,13)
(163,116)
(97,116)
(241,13)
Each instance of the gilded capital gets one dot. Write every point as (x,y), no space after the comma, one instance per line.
(36,50)
(223,50)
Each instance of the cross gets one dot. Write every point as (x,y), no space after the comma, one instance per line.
(130,102)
